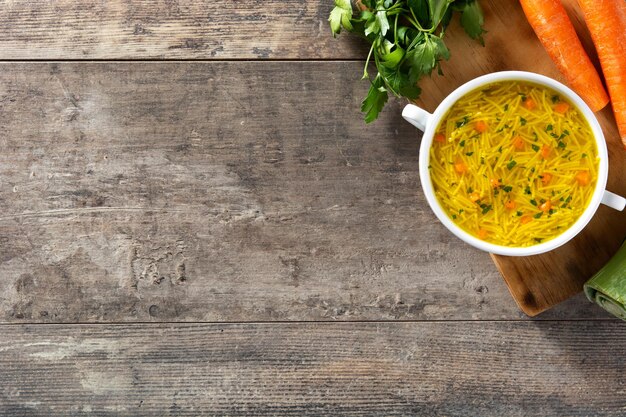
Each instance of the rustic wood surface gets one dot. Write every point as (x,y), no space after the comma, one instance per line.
(341,369)
(158,193)
(171,29)
(175,191)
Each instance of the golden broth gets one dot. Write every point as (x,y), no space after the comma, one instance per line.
(514,163)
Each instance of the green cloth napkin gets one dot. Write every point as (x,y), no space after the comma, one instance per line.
(607,288)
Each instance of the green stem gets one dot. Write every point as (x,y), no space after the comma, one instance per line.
(395,31)
(369,55)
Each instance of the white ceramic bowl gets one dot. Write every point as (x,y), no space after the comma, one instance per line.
(428,124)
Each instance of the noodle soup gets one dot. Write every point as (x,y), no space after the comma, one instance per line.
(514,163)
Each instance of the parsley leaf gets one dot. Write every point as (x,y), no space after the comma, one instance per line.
(437,9)
(381,20)
(376,98)
(425,56)
(340,16)
(472,21)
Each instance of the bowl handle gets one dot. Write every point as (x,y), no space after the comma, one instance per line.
(613,200)
(417,116)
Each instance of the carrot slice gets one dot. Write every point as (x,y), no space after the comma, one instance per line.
(518,143)
(482,233)
(510,204)
(550,22)
(481,126)
(561,107)
(495,182)
(440,138)
(606,20)
(583,178)
(545,151)
(525,219)
(529,103)
(545,206)
(545,178)
(460,167)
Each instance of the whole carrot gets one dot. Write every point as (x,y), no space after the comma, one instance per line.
(606,21)
(550,22)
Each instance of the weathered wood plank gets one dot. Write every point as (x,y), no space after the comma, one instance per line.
(181,29)
(342,369)
(144,191)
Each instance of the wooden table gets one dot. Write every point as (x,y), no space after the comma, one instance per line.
(194,220)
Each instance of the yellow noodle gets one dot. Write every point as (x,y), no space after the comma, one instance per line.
(491,158)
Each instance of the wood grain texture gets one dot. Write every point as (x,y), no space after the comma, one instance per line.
(537,282)
(351,369)
(144,191)
(171,29)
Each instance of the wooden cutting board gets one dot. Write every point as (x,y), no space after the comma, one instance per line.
(536,282)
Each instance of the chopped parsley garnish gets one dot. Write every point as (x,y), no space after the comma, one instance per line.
(462,122)
(511,164)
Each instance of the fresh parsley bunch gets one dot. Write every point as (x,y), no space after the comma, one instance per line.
(405,45)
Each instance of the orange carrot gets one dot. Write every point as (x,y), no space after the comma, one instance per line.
(460,166)
(510,204)
(545,178)
(545,151)
(583,178)
(529,103)
(555,31)
(606,20)
(561,107)
(474,197)
(481,126)
(518,143)
(495,182)
(440,138)
(525,219)
(545,206)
